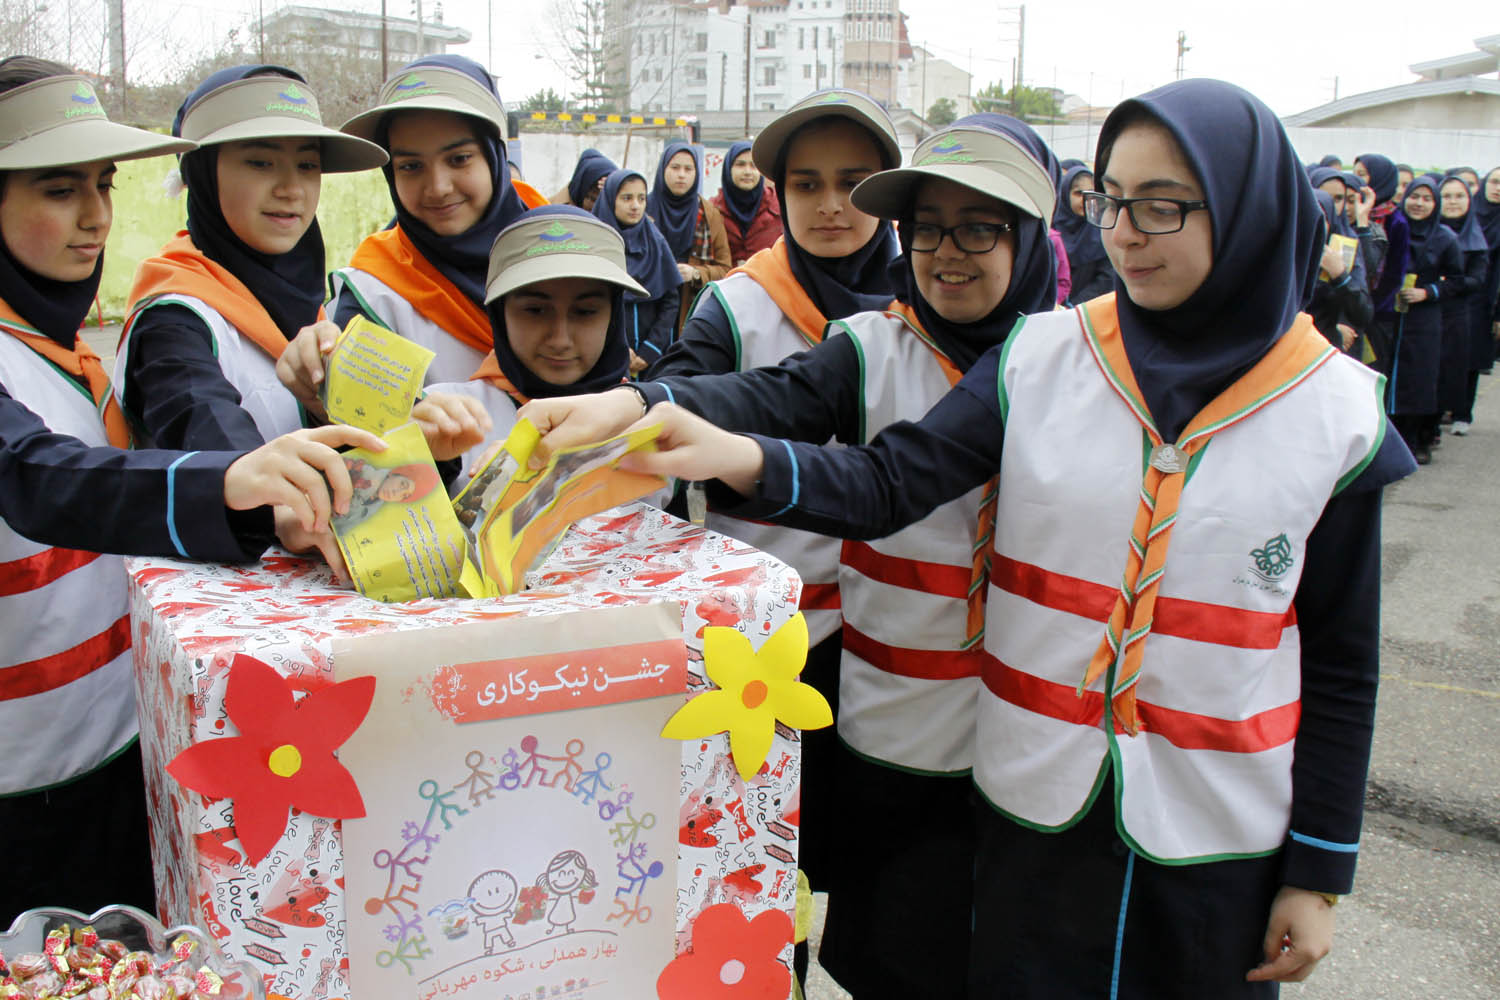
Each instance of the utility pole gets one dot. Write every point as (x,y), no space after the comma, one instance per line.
(747,70)
(1183,48)
(1021,55)
(117,51)
(723,76)
(672,65)
(421,40)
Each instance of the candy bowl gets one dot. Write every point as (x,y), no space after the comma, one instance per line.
(118,953)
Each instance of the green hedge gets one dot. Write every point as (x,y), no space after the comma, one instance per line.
(352,206)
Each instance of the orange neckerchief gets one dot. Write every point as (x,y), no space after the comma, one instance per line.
(390,256)
(182,269)
(772,271)
(979,568)
(1299,353)
(530,196)
(489,371)
(82,362)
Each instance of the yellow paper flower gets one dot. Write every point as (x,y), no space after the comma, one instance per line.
(755,689)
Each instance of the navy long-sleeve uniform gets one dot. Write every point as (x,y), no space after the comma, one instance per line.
(706,344)
(175,389)
(56,490)
(651,325)
(910,469)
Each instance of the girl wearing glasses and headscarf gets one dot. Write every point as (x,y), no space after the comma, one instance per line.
(1181,647)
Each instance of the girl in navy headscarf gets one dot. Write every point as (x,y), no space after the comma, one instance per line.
(1384,180)
(1341,307)
(1091,273)
(1487,210)
(587,181)
(1435,259)
(1468,347)
(690,222)
(650,319)
(752,221)
(974,213)
(1167,810)
(441,120)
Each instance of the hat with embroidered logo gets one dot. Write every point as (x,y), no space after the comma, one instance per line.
(428,85)
(770,146)
(269,102)
(980,159)
(556,241)
(58,121)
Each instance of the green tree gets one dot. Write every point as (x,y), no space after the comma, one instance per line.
(942,112)
(1030,104)
(542,100)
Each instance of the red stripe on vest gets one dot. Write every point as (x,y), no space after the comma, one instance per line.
(1185,730)
(36,571)
(51,672)
(1201,622)
(820,597)
(924,664)
(939,579)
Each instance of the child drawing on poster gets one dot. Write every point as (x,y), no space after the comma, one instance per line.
(492,895)
(567,875)
(374,487)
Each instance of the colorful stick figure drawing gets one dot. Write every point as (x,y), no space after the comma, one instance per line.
(567,875)
(492,895)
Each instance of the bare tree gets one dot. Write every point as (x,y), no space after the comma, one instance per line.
(586,50)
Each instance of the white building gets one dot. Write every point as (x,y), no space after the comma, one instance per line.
(351,33)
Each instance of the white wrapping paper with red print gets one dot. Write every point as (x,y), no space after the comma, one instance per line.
(736,840)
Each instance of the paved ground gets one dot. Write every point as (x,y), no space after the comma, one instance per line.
(1424,920)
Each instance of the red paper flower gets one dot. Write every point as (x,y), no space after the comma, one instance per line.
(732,958)
(283,756)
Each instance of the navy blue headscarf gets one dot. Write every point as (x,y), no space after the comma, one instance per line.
(1429,237)
(463,259)
(648,259)
(1268,237)
(56,308)
(840,286)
(613,363)
(1383,176)
(1082,241)
(1330,160)
(742,205)
(289,286)
(1070,163)
(592,165)
(676,215)
(1033,276)
(1488,213)
(1319,176)
(1467,228)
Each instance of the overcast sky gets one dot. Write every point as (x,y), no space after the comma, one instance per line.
(1288,52)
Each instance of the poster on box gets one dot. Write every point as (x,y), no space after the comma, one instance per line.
(521,804)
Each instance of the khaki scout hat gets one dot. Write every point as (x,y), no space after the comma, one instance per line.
(274,107)
(58,121)
(980,159)
(556,241)
(429,88)
(851,104)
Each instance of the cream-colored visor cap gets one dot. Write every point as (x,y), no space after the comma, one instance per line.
(429,88)
(988,162)
(543,244)
(58,121)
(851,104)
(275,107)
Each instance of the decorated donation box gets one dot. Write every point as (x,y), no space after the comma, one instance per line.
(588,789)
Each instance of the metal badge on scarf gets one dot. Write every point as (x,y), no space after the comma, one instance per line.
(1168,458)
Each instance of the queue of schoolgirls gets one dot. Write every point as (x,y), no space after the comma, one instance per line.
(1073,757)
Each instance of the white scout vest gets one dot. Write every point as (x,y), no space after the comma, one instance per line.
(764,336)
(455,360)
(1218,697)
(907,683)
(249,369)
(67,691)
(502,410)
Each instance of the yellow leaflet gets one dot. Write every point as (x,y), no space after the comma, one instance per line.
(373,377)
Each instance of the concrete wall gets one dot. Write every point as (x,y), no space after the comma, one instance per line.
(548,158)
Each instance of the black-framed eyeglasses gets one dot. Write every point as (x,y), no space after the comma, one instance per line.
(970,237)
(1150,216)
